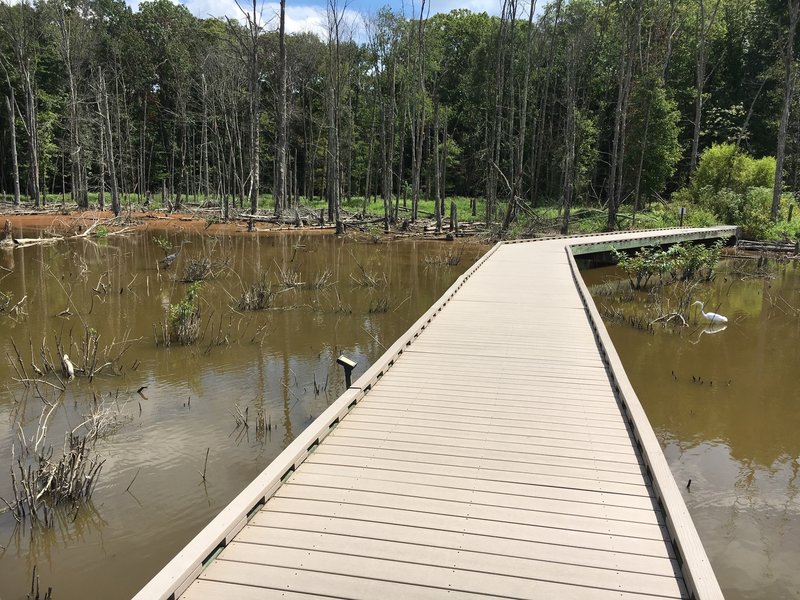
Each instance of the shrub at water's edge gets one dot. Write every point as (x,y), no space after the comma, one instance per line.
(736,189)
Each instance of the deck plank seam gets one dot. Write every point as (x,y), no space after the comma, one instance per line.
(462,533)
(469,570)
(454,571)
(287,494)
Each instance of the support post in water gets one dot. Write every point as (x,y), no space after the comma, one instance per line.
(348,366)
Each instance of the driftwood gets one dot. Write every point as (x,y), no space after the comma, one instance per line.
(13,242)
(419,212)
(279,220)
(753,245)
(22,242)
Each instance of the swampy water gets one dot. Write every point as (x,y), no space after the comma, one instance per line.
(725,406)
(279,364)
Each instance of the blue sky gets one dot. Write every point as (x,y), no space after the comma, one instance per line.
(309,15)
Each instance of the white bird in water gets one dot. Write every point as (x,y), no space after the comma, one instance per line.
(711,317)
(67,368)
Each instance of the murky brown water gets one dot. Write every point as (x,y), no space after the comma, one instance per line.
(736,435)
(282,360)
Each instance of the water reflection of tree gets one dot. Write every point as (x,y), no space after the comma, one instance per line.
(71,526)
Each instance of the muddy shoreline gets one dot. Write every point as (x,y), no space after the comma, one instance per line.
(60,223)
(56,223)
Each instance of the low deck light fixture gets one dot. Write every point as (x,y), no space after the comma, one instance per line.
(348,366)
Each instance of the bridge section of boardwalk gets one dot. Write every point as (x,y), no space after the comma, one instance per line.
(495,450)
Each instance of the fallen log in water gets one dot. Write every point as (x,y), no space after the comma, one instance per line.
(757,246)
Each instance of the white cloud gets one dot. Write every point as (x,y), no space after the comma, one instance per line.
(299,18)
(313,18)
(491,7)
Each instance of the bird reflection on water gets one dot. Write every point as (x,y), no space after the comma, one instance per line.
(710,329)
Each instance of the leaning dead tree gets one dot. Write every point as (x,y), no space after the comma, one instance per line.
(105,117)
(334,95)
(280,173)
(790,75)
(10,105)
(70,56)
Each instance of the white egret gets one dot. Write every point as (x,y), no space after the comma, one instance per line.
(67,368)
(711,317)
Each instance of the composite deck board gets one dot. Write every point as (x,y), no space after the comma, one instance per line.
(550,495)
(493,432)
(519,451)
(546,407)
(589,380)
(507,426)
(469,453)
(543,493)
(548,411)
(492,458)
(493,403)
(492,559)
(360,515)
(364,578)
(534,390)
(452,438)
(425,462)
(415,533)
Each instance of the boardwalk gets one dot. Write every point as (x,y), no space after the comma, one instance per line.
(496,450)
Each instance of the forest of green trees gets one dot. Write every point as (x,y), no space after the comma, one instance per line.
(611,104)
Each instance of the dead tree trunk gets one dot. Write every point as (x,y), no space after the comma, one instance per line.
(570,141)
(204,143)
(418,124)
(33,140)
(102,105)
(79,192)
(249,44)
(516,175)
(334,100)
(101,186)
(788,92)
(280,174)
(538,137)
(624,77)
(388,146)
(437,169)
(10,103)
(496,130)
(704,28)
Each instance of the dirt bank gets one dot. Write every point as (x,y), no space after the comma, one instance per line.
(28,224)
(58,223)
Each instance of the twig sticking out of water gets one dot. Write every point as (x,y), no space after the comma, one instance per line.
(670,317)
(35,593)
(322,280)
(366,278)
(258,296)
(132,480)
(200,269)
(241,417)
(448,259)
(288,277)
(42,480)
(379,305)
(205,465)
